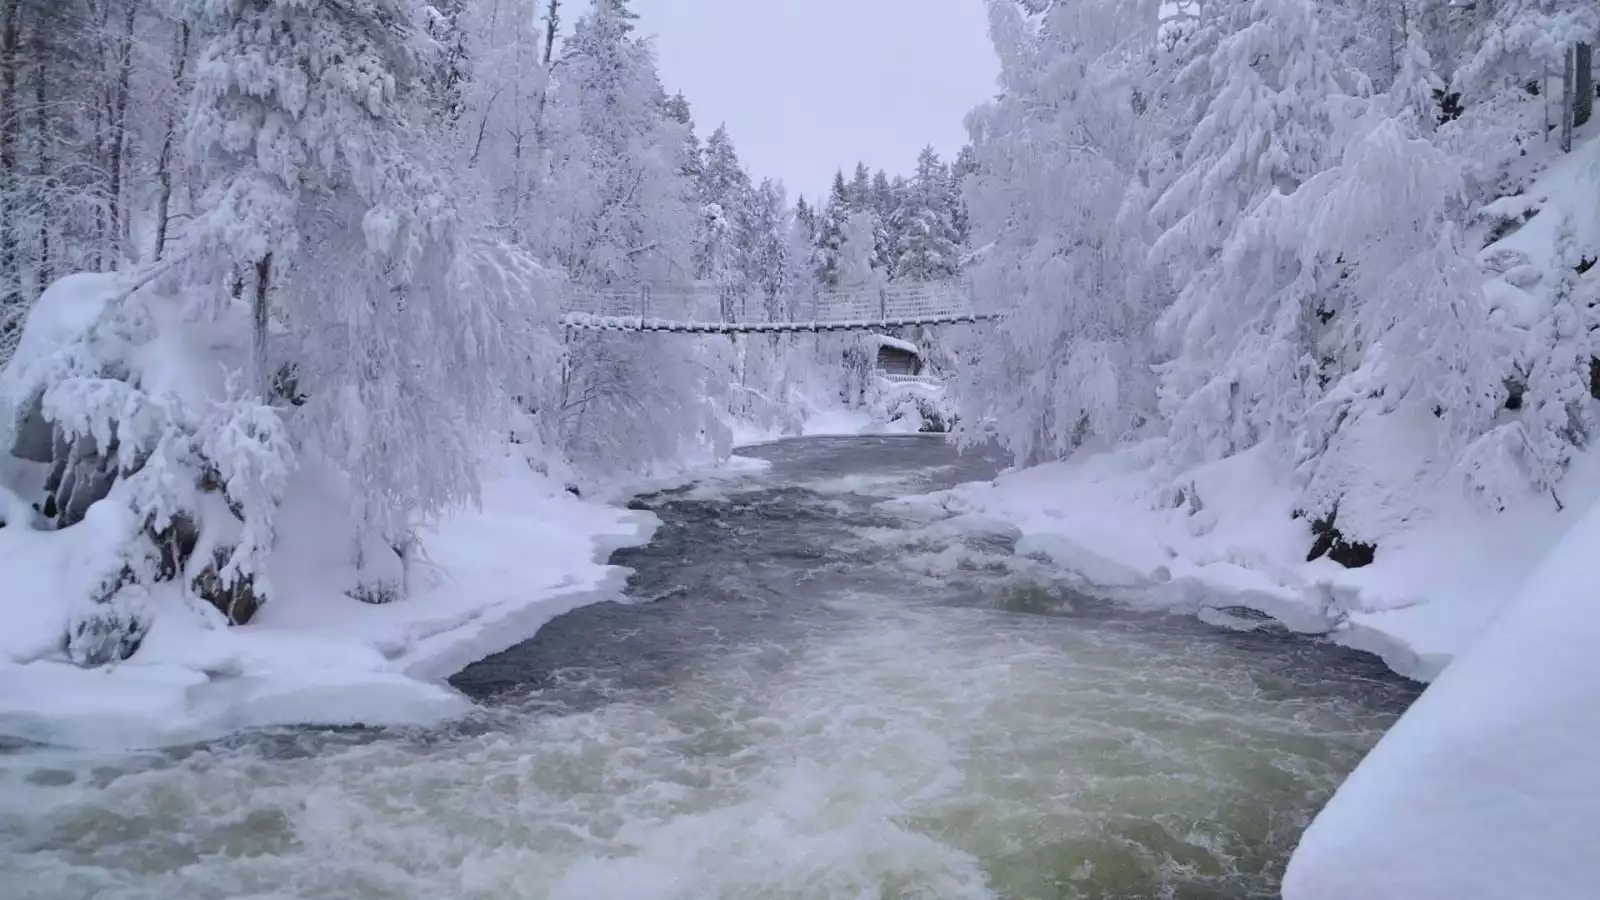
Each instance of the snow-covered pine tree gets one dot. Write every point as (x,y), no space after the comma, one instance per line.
(1517,41)
(1551,372)
(965,166)
(678,110)
(725,242)
(618,215)
(310,131)
(831,231)
(1241,330)
(1057,155)
(771,267)
(885,203)
(859,191)
(929,249)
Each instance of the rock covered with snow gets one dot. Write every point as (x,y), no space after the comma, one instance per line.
(50,347)
(145,509)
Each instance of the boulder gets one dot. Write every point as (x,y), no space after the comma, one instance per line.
(235,598)
(1332,543)
(113,627)
(33,437)
(81,477)
(175,544)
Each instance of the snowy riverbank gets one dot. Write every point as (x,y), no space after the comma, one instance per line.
(1485,788)
(313,656)
(1488,786)
(1231,543)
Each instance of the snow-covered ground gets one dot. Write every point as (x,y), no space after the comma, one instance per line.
(1489,785)
(1231,542)
(313,655)
(891,406)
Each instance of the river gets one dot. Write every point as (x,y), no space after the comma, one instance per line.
(820,701)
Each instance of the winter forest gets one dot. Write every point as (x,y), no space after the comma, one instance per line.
(282,287)
(369,213)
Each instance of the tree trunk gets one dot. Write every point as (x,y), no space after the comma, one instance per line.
(118,216)
(258,334)
(552,30)
(164,163)
(1568,77)
(10,115)
(41,155)
(1583,103)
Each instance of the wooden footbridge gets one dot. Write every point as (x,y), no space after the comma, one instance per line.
(704,309)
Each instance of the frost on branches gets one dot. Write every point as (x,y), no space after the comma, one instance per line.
(1205,225)
(324,315)
(111,398)
(1056,159)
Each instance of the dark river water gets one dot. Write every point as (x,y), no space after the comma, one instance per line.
(806,699)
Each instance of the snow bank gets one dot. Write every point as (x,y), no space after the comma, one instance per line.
(1488,786)
(313,656)
(111,560)
(1230,540)
(891,411)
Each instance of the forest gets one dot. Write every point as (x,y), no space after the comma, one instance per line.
(1290,320)
(1236,226)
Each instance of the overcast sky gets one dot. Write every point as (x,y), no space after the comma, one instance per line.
(810,86)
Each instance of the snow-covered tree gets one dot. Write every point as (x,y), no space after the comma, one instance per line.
(1412,339)
(858,256)
(722,251)
(928,247)
(1056,158)
(618,213)
(329,219)
(772,270)
(1242,324)
(831,231)
(1520,40)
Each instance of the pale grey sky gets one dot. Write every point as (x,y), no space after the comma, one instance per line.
(810,86)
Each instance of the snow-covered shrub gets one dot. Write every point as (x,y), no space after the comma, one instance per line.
(190,478)
(917,405)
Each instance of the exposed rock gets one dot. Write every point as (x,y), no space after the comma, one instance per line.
(34,438)
(174,545)
(82,476)
(113,628)
(15,511)
(1332,543)
(236,599)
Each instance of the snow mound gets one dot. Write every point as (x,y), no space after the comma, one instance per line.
(313,656)
(1488,786)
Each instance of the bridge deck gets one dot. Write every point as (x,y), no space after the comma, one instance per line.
(589,322)
(705,309)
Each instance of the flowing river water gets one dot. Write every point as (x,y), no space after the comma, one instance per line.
(820,702)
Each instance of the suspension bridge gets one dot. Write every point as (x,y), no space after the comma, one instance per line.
(706,309)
